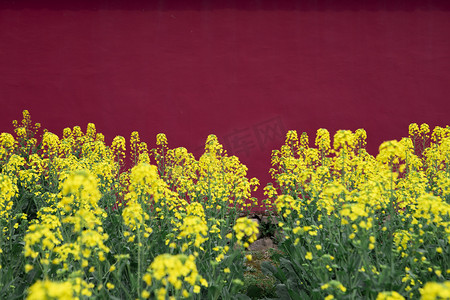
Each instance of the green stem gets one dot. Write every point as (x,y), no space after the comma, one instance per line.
(139,263)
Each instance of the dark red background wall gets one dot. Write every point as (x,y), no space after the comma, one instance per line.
(245,70)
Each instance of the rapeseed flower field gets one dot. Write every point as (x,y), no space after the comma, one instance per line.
(362,227)
(82,219)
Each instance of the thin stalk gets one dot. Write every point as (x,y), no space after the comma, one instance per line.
(139,262)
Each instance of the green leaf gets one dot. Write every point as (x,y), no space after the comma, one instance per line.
(282,292)
(268,269)
(241,297)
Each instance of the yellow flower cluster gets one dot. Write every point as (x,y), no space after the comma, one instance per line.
(246,231)
(334,285)
(435,291)
(8,190)
(161,139)
(72,230)
(134,218)
(401,239)
(178,271)
(323,141)
(216,179)
(193,227)
(392,295)
(118,149)
(144,180)
(7,143)
(139,150)
(26,143)
(151,192)
(65,290)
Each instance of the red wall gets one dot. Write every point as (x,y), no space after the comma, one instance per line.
(245,70)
